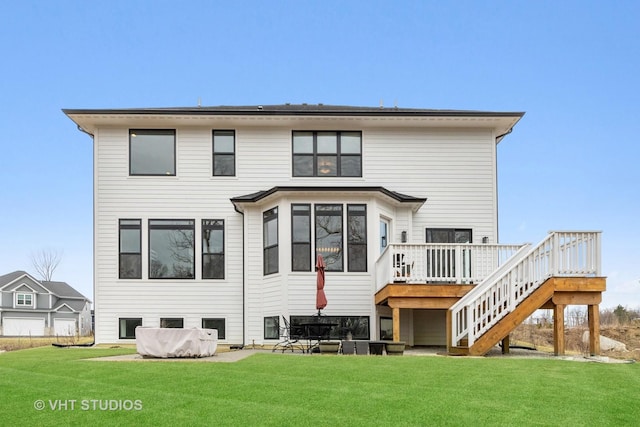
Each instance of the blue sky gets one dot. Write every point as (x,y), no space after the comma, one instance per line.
(572,66)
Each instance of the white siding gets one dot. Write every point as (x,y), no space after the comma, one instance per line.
(454,169)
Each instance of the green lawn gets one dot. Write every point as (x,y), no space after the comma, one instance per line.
(276,389)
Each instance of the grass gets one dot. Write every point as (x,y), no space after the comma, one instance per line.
(274,390)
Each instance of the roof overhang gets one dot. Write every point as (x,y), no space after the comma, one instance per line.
(295,116)
(275,193)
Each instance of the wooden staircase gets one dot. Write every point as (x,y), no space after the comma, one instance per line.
(561,270)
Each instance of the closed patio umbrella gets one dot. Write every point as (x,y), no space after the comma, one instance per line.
(321,299)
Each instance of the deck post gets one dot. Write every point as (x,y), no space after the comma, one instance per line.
(505,344)
(558,329)
(594,329)
(396,323)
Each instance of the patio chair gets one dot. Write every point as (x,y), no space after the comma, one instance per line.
(362,347)
(287,340)
(348,347)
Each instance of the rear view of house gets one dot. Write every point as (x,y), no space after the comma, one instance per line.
(214,216)
(30,307)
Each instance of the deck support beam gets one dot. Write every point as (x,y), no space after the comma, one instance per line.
(505,344)
(558,329)
(593,312)
(396,323)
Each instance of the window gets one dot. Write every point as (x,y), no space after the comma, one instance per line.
(270,241)
(152,152)
(169,322)
(213,249)
(218,324)
(127,327)
(386,328)
(327,153)
(448,235)
(224,156)
(24,300)
(171,250)
(301,237)
(329,235)
(384,234)
(272,328)
(358,326)
(130,254)
(357,237)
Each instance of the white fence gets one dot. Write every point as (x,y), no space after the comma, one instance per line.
(562,253)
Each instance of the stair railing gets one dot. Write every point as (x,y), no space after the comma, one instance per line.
(561,253)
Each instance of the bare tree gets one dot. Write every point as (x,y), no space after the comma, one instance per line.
(45,263)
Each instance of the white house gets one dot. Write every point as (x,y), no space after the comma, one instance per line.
(213,217)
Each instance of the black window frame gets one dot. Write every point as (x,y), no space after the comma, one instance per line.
(172,322)
(129,224)
(270,266)
(148,132)
(358,326)
(317,155)
(330,254)
(208,225)
(275,327)
(221,330)
(353,212)
(300,262)
(450,231)
(215,153)
(121,324)
(154,224)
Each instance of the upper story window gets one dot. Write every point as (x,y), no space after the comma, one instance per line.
(24,300)
(300,237)
(130,253)
(327,153)
(448,235)
(270,241)
(224,153)
(171,249)
(213,249)
(357,237)
(152,152)
(329,236)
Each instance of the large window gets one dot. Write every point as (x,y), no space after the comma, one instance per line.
(270,240)
(127,327)
(171,249)
(327,153)
(357,326)
(152,152)
(442,263)
(218,324)
(24,300)
(448,235)
(130,253)
(224,153)
(300,237)
(329,235)
(357,237)
(213,249)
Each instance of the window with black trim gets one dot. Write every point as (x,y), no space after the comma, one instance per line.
(213,249)
(130,252)
(270,241)
(224,153)
(449,235)
(327,154)
(171,249)
(329,236)
(152,152)
(172,322)
(300,237)
(357,238)
(341,326)
(218,324)
(127,327)
(272,328)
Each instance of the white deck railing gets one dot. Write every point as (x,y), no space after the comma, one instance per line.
(562,253)
(464,263)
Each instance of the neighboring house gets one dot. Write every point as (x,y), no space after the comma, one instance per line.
(213,217)
(30,307)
